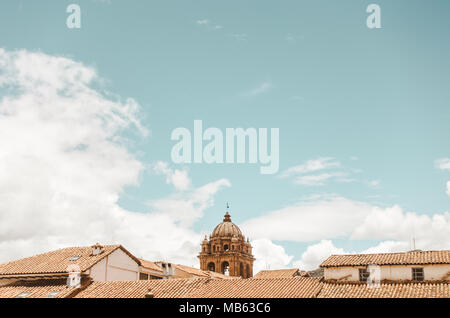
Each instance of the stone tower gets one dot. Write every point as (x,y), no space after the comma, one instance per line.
(227,251)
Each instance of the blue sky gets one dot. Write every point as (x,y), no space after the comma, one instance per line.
(375,102)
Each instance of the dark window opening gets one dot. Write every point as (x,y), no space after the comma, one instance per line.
(363,274)
(143,276)
(417,274)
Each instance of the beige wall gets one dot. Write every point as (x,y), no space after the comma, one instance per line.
(389,272)
(116,266)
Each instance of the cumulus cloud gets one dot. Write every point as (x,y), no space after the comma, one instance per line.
(443,164)
(310,220)
(269,255)
(338,217)
(64,165)
(315,254)
(178,178)
(430,232)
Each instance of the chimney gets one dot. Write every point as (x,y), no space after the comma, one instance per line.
(97,249)
(164,267)
(149,294)
(74,279)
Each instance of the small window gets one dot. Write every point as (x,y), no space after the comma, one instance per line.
(417,274)
(74,258)
(143,276)
(53,294)
(225,247)
(22,295)
(363,274)
(155,277)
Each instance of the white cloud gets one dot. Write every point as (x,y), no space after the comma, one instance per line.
(64,165)
(269,255)
(389,247)
(319,179)
(260,89)
(188,207)
(311,166)
(178,178)
(443,164)
(316,254)
(308,221)
(448,188)
(203,22)
(338,217)
(430,232)
(374,183)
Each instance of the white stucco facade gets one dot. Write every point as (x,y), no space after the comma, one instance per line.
(114,267)
(432,272)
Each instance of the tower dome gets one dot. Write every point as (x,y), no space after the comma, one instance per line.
(226,228)
(227,251)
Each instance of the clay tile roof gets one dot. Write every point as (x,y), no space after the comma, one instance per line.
(150,265)
(58,261)
(278,273)
(37,289)
(299,287)
(406,258)
(386,290)
(200,273)
(160,288)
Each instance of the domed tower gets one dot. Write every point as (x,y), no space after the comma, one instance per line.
(227,251)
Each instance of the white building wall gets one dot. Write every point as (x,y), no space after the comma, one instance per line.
(116,266)
(389,272)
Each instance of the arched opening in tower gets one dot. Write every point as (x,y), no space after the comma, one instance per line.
(226,268)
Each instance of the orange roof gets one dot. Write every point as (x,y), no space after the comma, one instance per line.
(150,265)
(58,261)
(406,258)
(278,273)
(161,288)
(200,273)
(206,288)
(299,287)
(386,290)
(37,289)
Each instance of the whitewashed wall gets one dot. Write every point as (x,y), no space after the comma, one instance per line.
(116,266)
(390,272)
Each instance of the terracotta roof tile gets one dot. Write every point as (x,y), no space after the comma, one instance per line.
(58,261)
(151,266)
(278,273)
(200,273)
(161,288)
(299,287)
(386,290)
(37,289)
(406,258)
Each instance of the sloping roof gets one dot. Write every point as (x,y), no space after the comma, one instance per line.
(298,287)
(150,265)
(161,288)
(58,261)
(386,290)
(37,289)
(406,258)
(278,273)
(200,273)
(205,288)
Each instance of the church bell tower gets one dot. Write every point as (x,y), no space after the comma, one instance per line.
(227,251)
